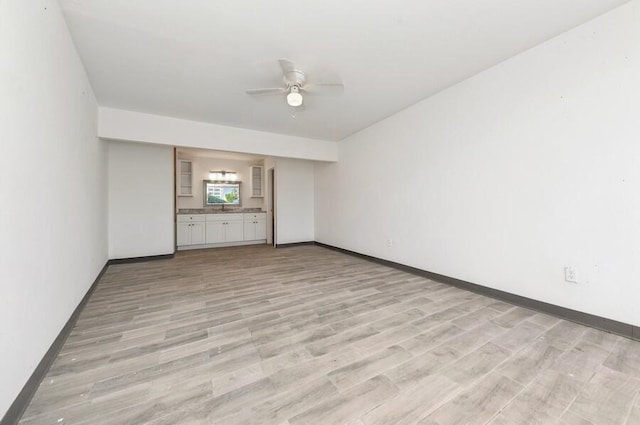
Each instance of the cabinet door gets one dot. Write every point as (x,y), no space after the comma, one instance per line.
(184,178)
(197,233)
(261,229)
(249,230)
(235,231)
(184,234)
(256,181)
(215,231)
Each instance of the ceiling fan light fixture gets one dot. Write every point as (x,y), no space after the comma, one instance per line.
(294,83)
(294,98)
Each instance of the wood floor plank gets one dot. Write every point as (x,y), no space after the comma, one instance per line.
(411,406)
(634,414)
(428,340)
(543,402)
(307,335)
(351,404)
(356,372)
(581,361)
(606,399)
(477,404)
(625,358)
(414,372)
(476,364)
(525,365)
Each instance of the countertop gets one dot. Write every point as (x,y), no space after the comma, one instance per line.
(226,210)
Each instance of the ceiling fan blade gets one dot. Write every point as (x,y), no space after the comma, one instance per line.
(287,66)
(274,90)
(324,87)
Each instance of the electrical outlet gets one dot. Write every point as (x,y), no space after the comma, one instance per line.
(389,242)
(570,274)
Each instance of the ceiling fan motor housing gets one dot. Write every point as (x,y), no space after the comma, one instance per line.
(294,78)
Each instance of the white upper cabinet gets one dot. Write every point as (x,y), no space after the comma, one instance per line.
(255,172)
(184,177)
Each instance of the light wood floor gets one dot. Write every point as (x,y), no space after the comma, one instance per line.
(306,335)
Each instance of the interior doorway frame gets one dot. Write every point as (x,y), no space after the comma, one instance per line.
(271,207)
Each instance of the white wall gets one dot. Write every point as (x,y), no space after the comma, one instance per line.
(141,205)
(201,168)
(53,223)
(294,201)
(507,177)
(118,124)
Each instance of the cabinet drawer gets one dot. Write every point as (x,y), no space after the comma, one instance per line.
(224,217)
(182,218)
(255,216)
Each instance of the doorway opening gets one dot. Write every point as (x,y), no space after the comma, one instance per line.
(271,207)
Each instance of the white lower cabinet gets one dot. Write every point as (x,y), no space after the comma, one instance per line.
(191,229)
(224,228)
(255,226)
(215,232)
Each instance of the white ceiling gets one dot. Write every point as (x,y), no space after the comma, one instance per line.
(194,59)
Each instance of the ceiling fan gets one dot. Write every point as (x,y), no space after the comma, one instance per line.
(296,84)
